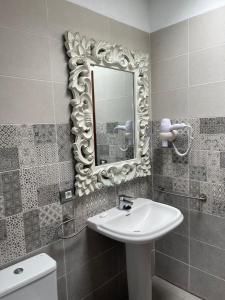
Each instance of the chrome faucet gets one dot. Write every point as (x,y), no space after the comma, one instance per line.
(124,202)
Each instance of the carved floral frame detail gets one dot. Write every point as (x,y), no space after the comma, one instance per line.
(83,53)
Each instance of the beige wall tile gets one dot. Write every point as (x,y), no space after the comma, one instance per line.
(25,101)
(170,41)
(63,16)
(207,100)
(27,15)
(207,30)
(170,104)
(170,74)
(24,55)
(129,37)
(62,97)
(207,65)
(59,60)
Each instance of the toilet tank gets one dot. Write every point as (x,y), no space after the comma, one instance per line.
(31,279)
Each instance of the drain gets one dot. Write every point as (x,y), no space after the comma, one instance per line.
(18,271)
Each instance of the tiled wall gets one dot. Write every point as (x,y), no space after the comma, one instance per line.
(35,147)
(188,84)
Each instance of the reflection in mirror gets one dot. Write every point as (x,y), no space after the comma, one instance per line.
(114,115)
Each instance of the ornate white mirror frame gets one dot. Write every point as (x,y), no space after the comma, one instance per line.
(83,53)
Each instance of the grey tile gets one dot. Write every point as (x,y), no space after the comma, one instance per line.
(3,231)
(44,133)
(174,245)
(33,53)
(79,252)
(207,66)
(61,284)
(11,193)
(24,15)
(205,285)
(198,158)
(207,228)
(48,194)
(95,273)
(172,270)
(64,141)
(170,41)
(170,74)
(198,173)
(34,101)
(207,258)
(207,30)
(47,175)
(9,159)
(114,289)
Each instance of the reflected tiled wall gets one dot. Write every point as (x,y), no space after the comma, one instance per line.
(35,147)
(188,84)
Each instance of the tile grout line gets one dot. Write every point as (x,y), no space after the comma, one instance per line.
(57,155)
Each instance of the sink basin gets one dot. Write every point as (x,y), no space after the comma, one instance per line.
(145,221)
(138,228)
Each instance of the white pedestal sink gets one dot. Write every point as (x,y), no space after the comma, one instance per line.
(138,228)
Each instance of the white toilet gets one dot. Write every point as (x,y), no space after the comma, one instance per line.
(31,279)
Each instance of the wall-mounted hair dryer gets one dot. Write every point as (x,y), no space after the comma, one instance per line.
(169,132)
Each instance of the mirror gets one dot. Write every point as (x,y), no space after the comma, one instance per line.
(110,86)
(113,114)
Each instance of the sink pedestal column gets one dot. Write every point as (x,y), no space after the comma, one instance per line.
(139,273)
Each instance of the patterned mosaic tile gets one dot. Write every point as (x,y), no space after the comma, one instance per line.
(9,136)
(32,230)
(9,159)
(212,142)
(181,186)
(198,158)
(213,159)
(44,133)
(48,194)
(46,153)
(110,127)
(64,141)
(212,125)
(2,207)
(48,234)
(198,173)
(50,214)
(28,180)
(11,193)
(222,159)
(3,232)
(27,154)
(48,175)
(164,182)
(14,245)
(194,188)
(31,221)
(33,241)
(66,174)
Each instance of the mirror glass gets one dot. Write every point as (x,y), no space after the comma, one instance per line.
(114,115)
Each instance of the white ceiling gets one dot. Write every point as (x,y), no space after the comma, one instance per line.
(150,15)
